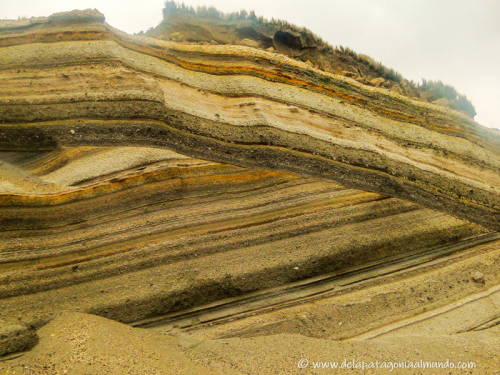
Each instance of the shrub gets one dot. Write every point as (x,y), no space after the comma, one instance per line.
(437,89)
(433,89)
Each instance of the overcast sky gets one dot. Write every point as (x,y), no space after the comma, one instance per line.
(456,41)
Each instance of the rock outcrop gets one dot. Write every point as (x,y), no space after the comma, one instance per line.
(84,220)
(89,84)
(15,337)
(162,183)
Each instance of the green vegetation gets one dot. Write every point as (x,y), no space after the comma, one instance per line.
(437,89)
(432,90)
(204,11)
(375,66)
(211,12)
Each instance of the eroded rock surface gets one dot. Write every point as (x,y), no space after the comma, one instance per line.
(15,337)
(230,192)
(89,84)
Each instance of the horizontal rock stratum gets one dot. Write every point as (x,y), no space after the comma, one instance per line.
(71,79)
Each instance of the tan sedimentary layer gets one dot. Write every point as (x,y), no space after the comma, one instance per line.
(89,84)
(139,232)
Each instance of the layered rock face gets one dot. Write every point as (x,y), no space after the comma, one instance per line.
(153,182)
(85,219)
(87,84)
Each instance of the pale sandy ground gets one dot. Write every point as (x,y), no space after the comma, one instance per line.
(80,344)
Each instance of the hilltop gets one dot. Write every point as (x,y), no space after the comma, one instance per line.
(207,25)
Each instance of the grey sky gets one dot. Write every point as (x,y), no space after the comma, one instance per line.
(457,41)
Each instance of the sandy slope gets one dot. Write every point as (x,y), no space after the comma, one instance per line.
(80,344)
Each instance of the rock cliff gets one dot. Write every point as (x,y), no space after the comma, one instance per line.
(74,80)
(162,183)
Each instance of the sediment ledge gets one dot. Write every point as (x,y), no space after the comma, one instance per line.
(77,81)
(133,233)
